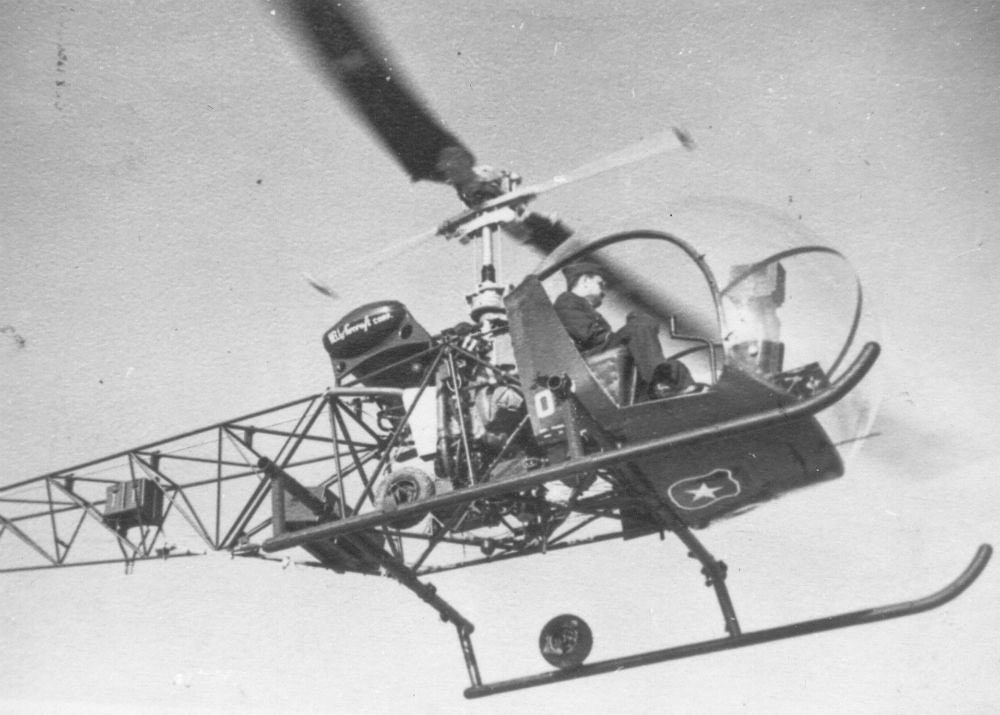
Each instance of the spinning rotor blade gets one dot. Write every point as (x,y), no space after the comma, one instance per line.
(658,302)
(541,233)
(666,141)
(546,235)
(653,300)
(360,69)
(658,144)
(320,287)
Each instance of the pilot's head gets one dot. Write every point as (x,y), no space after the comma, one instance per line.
(587,280)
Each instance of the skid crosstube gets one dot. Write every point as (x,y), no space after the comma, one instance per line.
(792,630)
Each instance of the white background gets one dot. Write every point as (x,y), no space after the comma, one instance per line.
(159,204)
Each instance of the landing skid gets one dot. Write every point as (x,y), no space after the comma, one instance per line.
(736,638)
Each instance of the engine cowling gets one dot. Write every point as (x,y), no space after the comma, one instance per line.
(379,344)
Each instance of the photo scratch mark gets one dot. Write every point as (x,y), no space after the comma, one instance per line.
(12,337)
(61,59)
(978,247)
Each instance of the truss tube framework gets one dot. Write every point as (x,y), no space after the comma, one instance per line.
(161,555)
(89,510)
(12,527)
(854,374)
(203,464)
(186,510)
(151,445)
(394,436)
(294,439)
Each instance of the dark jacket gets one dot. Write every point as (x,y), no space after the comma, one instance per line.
(588,328)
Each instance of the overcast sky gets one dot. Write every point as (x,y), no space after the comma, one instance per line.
(169,169)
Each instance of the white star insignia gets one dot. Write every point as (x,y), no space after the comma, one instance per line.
(702,492)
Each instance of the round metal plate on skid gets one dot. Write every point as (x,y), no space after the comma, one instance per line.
(565,641)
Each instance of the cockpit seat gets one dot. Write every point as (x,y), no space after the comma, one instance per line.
(615,371)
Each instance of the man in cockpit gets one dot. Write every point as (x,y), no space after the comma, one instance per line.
(586,283)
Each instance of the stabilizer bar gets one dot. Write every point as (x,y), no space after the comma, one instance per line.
(855,618)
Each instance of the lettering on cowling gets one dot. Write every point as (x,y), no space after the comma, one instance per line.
(362,325)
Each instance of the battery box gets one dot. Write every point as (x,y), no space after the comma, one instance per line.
(134,503)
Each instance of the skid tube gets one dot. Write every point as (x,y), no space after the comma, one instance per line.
(740,640)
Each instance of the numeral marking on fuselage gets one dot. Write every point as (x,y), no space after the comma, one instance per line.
(545,403)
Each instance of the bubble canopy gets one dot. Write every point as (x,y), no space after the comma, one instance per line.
(739,287)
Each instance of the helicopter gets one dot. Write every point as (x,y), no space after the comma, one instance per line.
(459,439)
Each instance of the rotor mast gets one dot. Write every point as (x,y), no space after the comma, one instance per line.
(486,306)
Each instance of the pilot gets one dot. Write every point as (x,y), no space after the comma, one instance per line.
(577,309)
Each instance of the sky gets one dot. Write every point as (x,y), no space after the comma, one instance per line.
(169,170)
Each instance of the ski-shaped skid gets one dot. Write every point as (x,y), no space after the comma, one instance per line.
(792,630)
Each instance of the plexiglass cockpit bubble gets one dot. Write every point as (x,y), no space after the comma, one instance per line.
(740,286)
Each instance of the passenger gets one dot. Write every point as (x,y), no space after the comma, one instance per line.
(577,309)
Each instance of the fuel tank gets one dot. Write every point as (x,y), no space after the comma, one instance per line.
(377,345)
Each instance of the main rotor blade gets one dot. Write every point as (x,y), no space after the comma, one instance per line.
(540,233)
(638,293)
(665,141)
(360,69)
(320,287)
(658,302)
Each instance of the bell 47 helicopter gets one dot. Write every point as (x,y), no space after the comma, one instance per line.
(494,439)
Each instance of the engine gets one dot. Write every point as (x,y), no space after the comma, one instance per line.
(378,345)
